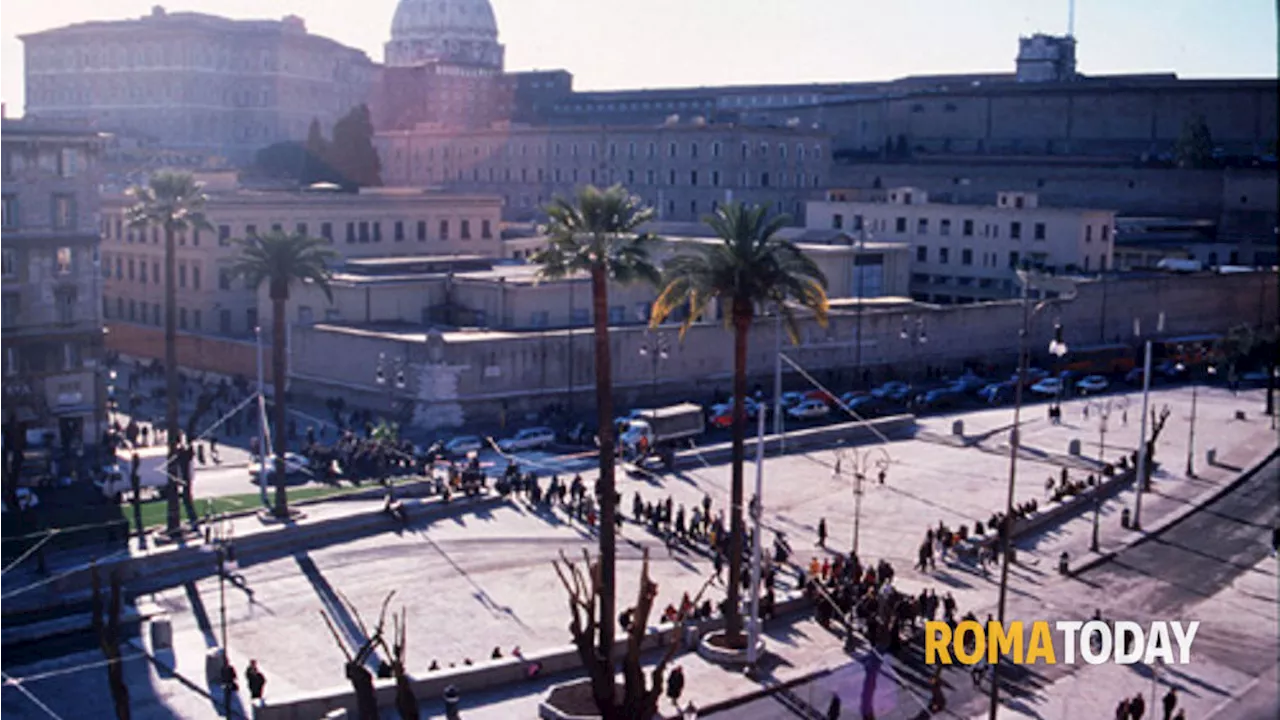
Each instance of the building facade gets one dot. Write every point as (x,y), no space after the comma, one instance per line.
(195,82)
(52,324)
(969,253)
(685,170)
(377,222)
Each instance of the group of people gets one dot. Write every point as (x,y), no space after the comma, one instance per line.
(1133,708)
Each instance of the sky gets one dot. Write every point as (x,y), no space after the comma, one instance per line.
(610,44)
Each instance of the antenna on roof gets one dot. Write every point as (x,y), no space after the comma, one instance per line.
(1071,18)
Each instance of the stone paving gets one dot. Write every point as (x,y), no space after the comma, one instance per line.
(478,581)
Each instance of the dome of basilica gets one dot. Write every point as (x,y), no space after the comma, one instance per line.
(454,31)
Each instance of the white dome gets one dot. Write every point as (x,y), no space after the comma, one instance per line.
(459,31)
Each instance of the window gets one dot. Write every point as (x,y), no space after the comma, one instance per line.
(764,179)
(1038,230)
(251,231)
(377,230)
(422,231)
(966,256)
(465,231)
(251,318)
(444,229)
(922,253)
(131,269)
(1015,230)
(1013,260)
(398,231)
(224,235)
(944,255)
(64,211)
(63,257)
(1106,232)
(196,319)
(715,149)
(362,231)
(66,305)
(944,227)
(1088,233)
(276,227)
(10,304)
(300,229)
(652,149)
(715,178)
(837,221)
(922,226)
(120,308)
(224,279)
(133,311)
(671,177)
(326,231)
(9,262)
(900,225)
(195,277)
(351,232)
(671,150)
(155,314)
(182,276)
(142,276)
(967,230)
(224,321)
(69,162)
(486,231)
(182,318)
(617,314)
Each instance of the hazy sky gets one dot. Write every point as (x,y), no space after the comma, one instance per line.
(666,43)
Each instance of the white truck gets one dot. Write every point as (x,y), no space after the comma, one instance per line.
(656,433)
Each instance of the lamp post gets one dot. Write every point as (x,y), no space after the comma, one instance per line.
(757,558)
(1191,433)
(1103,409)
(656,347)
(222,612)
(262,419)
(1058,349)
(390,374)
(1141,479)
(859,464)
(1065,289)
(858,269)
(913,333)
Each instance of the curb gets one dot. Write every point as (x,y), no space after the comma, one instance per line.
(1176,517)
(754,695)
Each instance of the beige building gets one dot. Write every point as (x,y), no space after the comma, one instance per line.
(52,325)
(968,253)
(685,169)
(377,222)
(193,81)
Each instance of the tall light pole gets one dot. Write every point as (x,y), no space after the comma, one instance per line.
(1103,409)
(1191,433)
(858,269)
(1141,481)
(1065,289)
(913,333)
(858,464)
(657,348)
(753,632)
(262,419)
(390,374)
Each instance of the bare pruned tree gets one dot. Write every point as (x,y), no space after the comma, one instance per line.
(639,698)
(359,676)
(108,631)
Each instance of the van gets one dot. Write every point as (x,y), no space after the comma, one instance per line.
(1179,265)
(114,482)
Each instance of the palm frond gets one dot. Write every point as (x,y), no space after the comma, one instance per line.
(283,260)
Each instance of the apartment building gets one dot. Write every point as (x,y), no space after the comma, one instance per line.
(377,222)
(683,169)
(969,253)
(52,325)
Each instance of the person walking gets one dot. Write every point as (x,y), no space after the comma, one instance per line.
(1170,702)
(937,701)
(213,450)
(257,681)
(1122,709)
(833,710)
(822,532)
(1137,706)
(675,685)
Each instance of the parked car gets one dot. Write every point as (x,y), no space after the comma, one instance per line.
(1048,386)
(792,399)
(294,464)
(849,397)
(27,499)
(1034,375)
(1092,384)
(1134,376)
(464,444)
(867,406)
(821,395)
(893,390)
(532,438)
(622,420)
(999,393)
(940,398)
(1171,370)
(809,410)
(583,433)
(970,383)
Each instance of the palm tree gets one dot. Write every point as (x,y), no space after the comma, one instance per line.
(597,233)
(173,202)
(746,268)
(282,260)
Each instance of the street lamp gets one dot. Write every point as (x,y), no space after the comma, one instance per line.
(1058,349)
(224,556)
(1191,436)
(860,271)
(859,464)
(1103,409)
(656,347)
(914,334)
(390,375)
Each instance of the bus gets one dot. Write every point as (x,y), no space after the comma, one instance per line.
(1189,350)
(1114,359)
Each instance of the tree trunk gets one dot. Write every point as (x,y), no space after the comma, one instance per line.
(278,370)
(173,517)
(742,311)
(604,692)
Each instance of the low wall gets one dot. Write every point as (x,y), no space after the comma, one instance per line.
(483,676)
(195,352)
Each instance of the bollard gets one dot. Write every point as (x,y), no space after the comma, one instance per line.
(451,702)
(1124,518)
(161,633)
(1211,456)
(1073,448)
(957,428)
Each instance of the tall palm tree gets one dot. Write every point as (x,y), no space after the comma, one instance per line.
(282,260)
(746,268)
(173,202)
(598,233)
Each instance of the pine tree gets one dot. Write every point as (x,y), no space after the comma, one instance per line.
(352,154)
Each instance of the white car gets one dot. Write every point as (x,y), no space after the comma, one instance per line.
(528,439)
(1048,386)
(1092,384)
(792,400)
(809,410)
(464,444)
(27,499)
(294,464)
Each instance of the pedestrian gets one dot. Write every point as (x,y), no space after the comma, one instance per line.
(1122,709)
(937,701)
(213,450)
(1137,706)
(833,710)
(675,685)
(718,560)
(822,532)
(1170,702)
(257,681)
